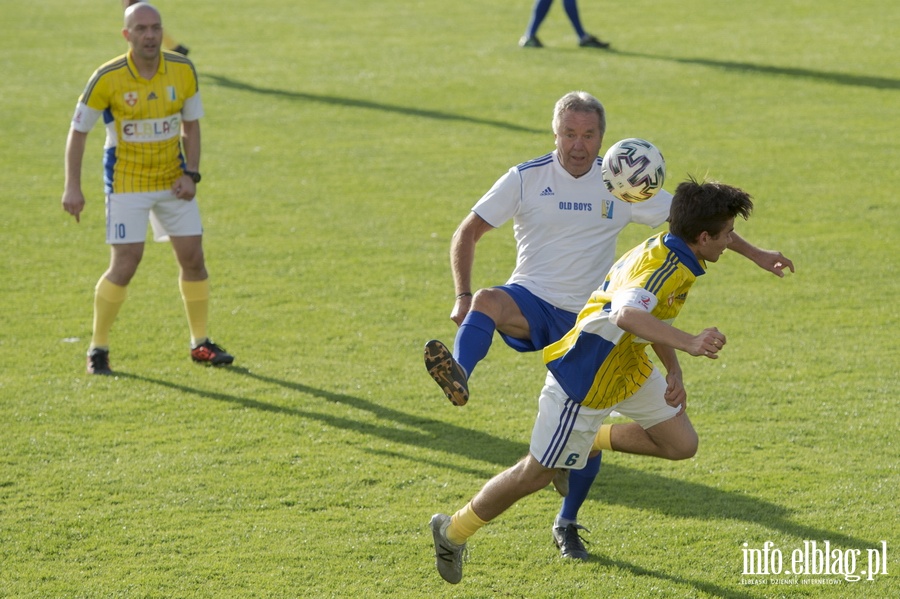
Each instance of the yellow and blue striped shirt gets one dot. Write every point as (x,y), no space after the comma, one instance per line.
(143,119)
(596,363)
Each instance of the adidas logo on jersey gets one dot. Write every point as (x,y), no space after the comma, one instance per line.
(547,192)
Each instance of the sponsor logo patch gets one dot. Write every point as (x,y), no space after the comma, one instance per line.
(148,130)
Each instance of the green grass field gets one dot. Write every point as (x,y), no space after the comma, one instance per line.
(343,142)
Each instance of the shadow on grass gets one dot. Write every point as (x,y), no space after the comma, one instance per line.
(617,484)
(398,427)
(226,82)
(749,67)
(706,587)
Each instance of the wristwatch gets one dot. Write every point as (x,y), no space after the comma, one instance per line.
(194,176)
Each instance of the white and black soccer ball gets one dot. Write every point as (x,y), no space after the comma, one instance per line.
(633,170)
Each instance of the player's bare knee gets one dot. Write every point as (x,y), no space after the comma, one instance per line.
(122,269)
(532,476)
(191,262)
(500,307)
(485,301)
(685,449)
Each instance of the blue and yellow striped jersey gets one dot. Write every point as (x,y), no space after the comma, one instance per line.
(599,364)
(143,147)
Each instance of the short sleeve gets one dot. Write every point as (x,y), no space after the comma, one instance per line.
(85,117)
(192,109)
(502,201)
(635,297)
(654,211)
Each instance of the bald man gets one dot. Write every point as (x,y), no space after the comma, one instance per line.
(150,103)
(168,42)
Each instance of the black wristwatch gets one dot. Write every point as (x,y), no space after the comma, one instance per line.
(194,176)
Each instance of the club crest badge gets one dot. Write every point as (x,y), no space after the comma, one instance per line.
(131,98)
(608,206)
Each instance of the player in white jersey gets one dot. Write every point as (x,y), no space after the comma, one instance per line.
(565,224)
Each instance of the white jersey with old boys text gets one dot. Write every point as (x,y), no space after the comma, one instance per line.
(565,227)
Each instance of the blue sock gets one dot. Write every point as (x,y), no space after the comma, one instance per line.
(473,340)
(538,14)
(580,482)
(571,7)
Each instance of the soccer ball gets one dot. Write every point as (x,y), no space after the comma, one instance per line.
(633,170)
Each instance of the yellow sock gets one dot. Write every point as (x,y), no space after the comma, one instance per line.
(108,298)
(195,295)
(602,440)
(464,524)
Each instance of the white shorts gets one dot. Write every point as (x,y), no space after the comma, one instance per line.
(564,430)
(127,215)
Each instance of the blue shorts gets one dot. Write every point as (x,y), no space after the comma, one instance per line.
(548,324)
